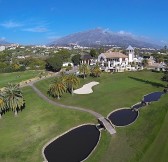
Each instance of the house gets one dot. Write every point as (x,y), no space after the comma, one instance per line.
(117,61)
(88,59)
(113,59)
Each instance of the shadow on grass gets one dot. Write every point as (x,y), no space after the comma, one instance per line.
(3,112)
(148,82)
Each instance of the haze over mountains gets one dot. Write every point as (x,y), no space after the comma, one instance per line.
(3,42)
(99,36)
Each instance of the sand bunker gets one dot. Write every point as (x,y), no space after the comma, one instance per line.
(86,89)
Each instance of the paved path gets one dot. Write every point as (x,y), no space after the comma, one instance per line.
(97,115)
(107,125)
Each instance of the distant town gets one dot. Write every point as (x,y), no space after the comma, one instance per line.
(34,57)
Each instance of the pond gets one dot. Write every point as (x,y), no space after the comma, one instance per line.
(78,143)
(155,96)
(123,117)
(74,146)
(138,105)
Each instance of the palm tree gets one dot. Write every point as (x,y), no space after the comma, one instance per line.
(2,104)
(84,69)
(13,97)
(72,81)
(63,76)
(57,88)
(96,71)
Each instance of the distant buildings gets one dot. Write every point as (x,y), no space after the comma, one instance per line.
(2,48)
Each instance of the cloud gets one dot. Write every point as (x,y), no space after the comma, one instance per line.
(11,24)
(122,32)
(36,29)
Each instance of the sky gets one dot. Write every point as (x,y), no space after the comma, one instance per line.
(42,21)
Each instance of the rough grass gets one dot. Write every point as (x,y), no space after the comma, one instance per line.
(6,78)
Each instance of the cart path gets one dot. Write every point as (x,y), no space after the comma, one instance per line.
(97,115)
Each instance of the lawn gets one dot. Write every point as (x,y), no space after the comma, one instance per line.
(16,77)
(114,91)
(139,141)
(22,137)
(159,148)
(134,142)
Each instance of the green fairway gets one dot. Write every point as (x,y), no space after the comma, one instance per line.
(159,148)
(22,137)
(123,90)
(131,144)
(114,91)
(16,77)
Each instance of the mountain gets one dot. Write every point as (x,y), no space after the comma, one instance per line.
(3,42)
(99,37)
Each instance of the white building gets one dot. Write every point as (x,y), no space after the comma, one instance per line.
(117,61)
(2,48)
(130,53)
(110,60)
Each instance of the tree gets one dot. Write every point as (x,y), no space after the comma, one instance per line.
(84,70)
(72,81)
(54,63)
(76,59)
(13,97)
(145,62)
(96,71)
(2,104)
(57,88)
(165,77)
(93,53)
(101,50)
(64,54)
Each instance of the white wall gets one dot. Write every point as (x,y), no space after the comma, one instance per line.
(2,48)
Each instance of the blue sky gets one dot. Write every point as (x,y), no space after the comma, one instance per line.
(41,21)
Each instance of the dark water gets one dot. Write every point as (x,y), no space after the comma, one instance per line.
(99,126)
(123,117)
(155,96)
(74,146)
(137,106)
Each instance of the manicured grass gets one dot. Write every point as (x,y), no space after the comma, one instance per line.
(114,91)
(131,143)
(16,77)
(22,137)
(159,148)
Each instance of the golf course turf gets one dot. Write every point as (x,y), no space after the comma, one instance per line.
(22,137)
(17,77)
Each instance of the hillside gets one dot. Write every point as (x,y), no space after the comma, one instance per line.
(99,36)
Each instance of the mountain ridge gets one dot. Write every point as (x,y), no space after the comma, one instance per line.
(3,42)
(98,36)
